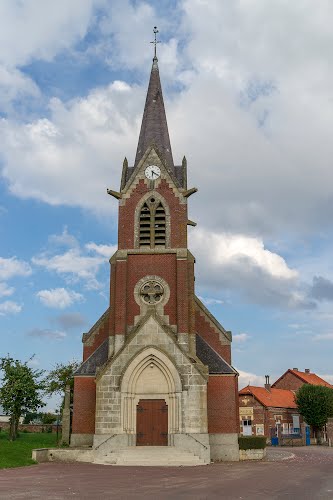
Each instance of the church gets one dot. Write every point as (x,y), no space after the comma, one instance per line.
(156,367)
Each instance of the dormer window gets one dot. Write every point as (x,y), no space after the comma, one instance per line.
(152,224)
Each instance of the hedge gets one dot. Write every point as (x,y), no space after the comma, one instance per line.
(252,442)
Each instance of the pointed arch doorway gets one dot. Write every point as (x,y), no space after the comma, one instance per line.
(151,399)
(152,422)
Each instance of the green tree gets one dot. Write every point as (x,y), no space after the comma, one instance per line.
(61,376)
(315,404)
(21,390)
(29,417)
(48,418)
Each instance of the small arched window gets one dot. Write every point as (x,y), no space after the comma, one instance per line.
(152,224)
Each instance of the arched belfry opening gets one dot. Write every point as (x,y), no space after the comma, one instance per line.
(151,377)
(152,224)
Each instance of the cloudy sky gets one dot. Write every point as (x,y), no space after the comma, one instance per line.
(248,91)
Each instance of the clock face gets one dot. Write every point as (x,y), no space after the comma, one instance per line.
(152,172)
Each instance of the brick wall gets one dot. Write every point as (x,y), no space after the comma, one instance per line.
(288,381)
(84,405)
(98,339)
(222,404)
(163,265)
(211,336)
(32,427)
(178,216)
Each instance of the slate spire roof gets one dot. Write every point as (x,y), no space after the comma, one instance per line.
(154,127)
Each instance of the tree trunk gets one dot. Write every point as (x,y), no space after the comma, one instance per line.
(14,423)
(318,434)
(12,428)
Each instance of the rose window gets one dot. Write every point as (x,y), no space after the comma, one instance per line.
(151,292)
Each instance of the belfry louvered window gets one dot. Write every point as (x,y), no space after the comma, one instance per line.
(152,224)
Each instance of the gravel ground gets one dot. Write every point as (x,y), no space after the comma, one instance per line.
(288,473)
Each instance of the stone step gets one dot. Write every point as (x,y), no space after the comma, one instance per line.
(149,456)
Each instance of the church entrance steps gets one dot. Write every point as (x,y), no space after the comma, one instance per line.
(158,456)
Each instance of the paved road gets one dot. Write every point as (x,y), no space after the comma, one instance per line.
(298,473)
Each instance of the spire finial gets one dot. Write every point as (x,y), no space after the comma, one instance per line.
(155,42)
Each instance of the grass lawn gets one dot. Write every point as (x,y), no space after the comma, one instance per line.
(18,453)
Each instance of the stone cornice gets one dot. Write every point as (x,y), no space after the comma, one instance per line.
(181,253)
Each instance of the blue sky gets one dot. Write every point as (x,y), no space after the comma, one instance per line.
(248,92)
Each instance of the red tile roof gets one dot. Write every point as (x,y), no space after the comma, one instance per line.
(308,378)
(280,398)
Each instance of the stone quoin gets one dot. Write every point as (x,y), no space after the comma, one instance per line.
(156,367)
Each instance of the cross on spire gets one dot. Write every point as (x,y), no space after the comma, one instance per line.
(155,42)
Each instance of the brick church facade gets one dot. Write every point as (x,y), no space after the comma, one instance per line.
(156,365)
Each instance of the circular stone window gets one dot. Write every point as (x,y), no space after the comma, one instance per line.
(151,292)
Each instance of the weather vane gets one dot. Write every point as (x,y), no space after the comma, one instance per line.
(155,42)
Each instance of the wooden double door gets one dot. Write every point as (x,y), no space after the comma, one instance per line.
(152,422)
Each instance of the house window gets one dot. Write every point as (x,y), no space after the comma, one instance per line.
(260,429)
(296,424)
(285,428)
(247,427)
(152,224)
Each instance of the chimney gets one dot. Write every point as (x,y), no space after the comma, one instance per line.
(295,369)
(307,370)
(267,384)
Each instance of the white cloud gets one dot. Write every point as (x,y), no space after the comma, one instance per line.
(58,151)
(15,85)
(239,262)
(12,267)
(323,336)
(46,333)
(59,298)
(210,301)
(328,378)
(231,248)
(9,307)
(64,239)
(45,28)
(76,263)
(104,250)
(241,337)
(73,266)
(247,378)
(5,290)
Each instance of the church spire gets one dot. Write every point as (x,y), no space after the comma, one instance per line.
(154,127)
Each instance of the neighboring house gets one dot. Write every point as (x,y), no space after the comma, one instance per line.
(293,379)
(262,409)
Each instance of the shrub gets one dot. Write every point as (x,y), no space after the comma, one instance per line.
(252,442)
